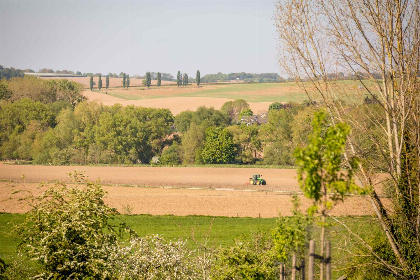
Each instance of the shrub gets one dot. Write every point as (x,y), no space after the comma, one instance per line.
(171,155)
(68,232)
(247,259)
(154,258)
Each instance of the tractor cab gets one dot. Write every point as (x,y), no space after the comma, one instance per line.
(257,180)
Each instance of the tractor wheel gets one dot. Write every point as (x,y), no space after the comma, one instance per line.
(258,182)
(264,183)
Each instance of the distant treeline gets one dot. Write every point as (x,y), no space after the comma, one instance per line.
(8,73)
(247,77)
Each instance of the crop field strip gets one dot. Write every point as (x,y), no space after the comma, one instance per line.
(172,196)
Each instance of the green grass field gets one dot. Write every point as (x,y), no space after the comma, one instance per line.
(216,231)
(251,92)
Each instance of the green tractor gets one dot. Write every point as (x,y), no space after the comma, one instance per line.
(257,180)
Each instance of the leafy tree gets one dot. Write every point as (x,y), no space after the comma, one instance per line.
(148,79)
(218,146)
(209,117)
(345,29)
(233,108)
(246,113)
(171,155)
(192,143)
(70,233)
(100,82)
(91,83)
(178,78)
(5,93)
(247,259)
(185,79)
(183,121)
(107,82)
(197,78)
(319,168)
(8,73)
(159,79)
(275,106)
(248,143)
(124,81)
(292,234)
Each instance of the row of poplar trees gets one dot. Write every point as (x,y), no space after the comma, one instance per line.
(183,80)
(126,80)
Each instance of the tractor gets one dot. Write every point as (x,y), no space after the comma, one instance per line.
(257,180)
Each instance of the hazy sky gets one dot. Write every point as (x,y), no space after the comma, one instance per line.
(138,36)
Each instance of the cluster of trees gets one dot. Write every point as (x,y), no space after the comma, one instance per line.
(45,91)
(8,73)
(47,70)
(88,133)
(248,77)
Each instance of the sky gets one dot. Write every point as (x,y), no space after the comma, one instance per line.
(138,36)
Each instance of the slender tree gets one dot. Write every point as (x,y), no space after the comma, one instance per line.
(197,78)
(107,82)
(178,78)
(185,79)
(159,79)
(100,82)
(128,81)
(378,42)
(124,80)
(91,82)
(148,79)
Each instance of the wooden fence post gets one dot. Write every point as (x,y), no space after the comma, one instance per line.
(294,267)
(302,270)
(328,261)
(311,260)
(282,276)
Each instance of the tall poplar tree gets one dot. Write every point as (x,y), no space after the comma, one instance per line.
(159,79)
(124,80)
(128,81)
(148,79)
(107,82)
(91,82)
(185,80)
(100,82)
(197,78)
(178,78)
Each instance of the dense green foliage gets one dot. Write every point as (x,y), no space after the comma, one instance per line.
(124,81)
(45,91)
(89,133)
(68,231)
(91,83)
(185,79)
(107,82)
(247,259)
(69,132)
(8,73)
(218,146)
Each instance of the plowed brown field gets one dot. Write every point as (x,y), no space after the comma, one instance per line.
(174,190)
